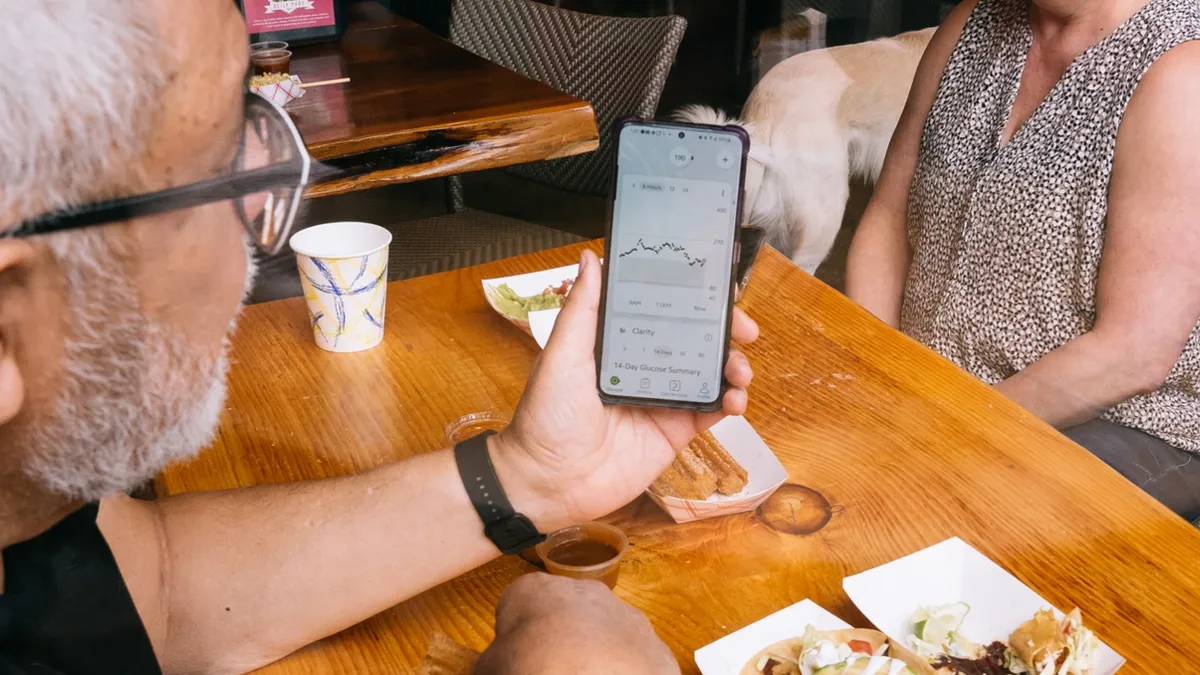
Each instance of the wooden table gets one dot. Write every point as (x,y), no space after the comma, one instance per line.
(889,447)
(420,107)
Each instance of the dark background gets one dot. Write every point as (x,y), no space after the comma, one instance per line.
(713,65)
(716,65)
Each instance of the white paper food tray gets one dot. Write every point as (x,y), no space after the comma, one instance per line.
(730,654)
(952,572)
(766,474)
(281,93)
(541,324)
(532,284)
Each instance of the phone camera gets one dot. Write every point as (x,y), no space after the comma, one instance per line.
(681,134)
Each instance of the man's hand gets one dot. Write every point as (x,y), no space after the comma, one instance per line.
(568,457)
(548,624)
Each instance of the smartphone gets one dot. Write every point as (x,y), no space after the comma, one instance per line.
(670,264)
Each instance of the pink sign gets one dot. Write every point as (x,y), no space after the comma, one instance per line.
(272,16)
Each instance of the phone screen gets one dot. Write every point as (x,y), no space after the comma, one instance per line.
(669,265)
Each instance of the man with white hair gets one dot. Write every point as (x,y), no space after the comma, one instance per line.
(132,165)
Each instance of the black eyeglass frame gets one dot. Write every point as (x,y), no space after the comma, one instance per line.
(233,186)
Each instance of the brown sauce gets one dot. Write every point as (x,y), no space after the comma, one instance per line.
(582,552)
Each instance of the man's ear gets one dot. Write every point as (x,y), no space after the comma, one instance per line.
(16,257)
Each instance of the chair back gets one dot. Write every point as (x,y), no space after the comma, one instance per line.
(617,64)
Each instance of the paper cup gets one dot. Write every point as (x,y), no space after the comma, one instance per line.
(343,268)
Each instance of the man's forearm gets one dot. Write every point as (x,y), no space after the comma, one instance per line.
(1078,381)
(254,574)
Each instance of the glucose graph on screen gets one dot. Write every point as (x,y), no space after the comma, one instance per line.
(671,248)
(666,263)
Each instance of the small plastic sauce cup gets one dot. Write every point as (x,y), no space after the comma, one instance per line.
(469,426)
(271,61)
(264,46)
(588,551)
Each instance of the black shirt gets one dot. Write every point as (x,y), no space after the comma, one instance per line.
(65,609)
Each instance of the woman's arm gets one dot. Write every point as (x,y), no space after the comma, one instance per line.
(879,255)
(1148,291)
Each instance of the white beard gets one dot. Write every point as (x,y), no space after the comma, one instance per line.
(134,397)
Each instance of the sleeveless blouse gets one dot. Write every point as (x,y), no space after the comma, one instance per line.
(1007,239)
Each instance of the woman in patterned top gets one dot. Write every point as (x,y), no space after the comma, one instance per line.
(1038,222)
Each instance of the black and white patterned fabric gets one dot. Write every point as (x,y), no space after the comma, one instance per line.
(1007,240)
(617,64)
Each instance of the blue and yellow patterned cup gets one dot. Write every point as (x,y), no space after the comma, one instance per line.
(343,268)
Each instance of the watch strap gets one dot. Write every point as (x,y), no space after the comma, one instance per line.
(479,477)
(510,531)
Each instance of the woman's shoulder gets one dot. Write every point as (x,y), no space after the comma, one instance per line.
(982,27)
(995,13)
(1171,79)
(1163,40)
(1157,125)
(1167,23)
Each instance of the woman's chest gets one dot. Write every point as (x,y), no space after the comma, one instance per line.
(1046,191)
(1043,70)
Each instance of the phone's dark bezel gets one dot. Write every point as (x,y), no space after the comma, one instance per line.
(701,406)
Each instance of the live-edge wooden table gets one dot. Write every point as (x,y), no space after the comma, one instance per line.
(419,107)
(890,449)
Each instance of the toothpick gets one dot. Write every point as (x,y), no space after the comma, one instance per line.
(322,83)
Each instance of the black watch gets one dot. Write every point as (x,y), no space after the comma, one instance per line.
(510,531)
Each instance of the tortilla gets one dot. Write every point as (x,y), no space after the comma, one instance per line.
(789,652)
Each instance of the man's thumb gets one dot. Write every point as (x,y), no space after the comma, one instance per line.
(575,328)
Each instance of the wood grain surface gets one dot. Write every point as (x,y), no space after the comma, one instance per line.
(890,449)
(417,106)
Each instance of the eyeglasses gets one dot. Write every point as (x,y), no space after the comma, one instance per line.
(266,182)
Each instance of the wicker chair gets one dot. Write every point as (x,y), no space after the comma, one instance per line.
(617,64)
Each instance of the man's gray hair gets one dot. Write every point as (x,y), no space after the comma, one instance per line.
(80,86)
(78,89)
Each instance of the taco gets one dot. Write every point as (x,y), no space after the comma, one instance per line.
(854,651)
(1046,644)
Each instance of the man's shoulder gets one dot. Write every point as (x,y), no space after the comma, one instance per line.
(9,668)
(65,608)
(12,667)
(133,531)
